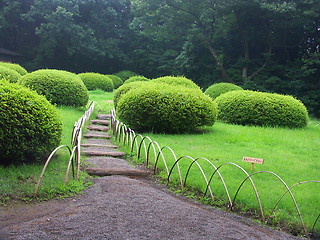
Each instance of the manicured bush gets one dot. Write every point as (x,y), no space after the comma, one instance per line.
(261,109)
(177,81)
(165,108)
(30,127)
(125,74)
(95,81)
(136,79)
(14,66)
(124,89)
(217,89)
(9,74)
(117,82)
(60,87)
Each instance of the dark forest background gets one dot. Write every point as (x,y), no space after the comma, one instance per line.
(265,45)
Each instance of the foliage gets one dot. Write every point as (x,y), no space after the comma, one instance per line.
(125,74)
(124,89)
(9,74)
(117,82)
(30,125)
(177,81)
(95,81)
(59,87)
(135,79)
(14,66)
(217,89)
(261,109)
(165,108)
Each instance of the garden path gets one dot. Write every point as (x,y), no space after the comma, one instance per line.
(124,204)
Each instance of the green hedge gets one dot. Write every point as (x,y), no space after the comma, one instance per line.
(14,66)
(217,89)
(177,81)
(125,74)
(136,79)
(30,127)
(9,74)
(165,108)
(60,87)
(117,82)
(124,89)
(95,81)
(261,109)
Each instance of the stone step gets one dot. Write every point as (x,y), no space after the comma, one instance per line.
(98,128)
(95,134)
(103,116)
(101,122)
(122,172)
(98,145)
(103,153)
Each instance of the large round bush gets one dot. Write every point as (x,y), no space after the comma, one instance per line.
(124,89)
(30,127)
(9,74)
(136,79)
(125,74)
(14,66)
(261,109)
(117,82)
(217,89)
(95,81)
(60,87)
(177,81)
(165,108)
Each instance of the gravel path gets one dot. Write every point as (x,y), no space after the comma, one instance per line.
(118,207)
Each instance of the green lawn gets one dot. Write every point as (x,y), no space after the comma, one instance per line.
(18,182)
(290,153)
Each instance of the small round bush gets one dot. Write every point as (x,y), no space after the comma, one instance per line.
(165,108)
(9,74)
(124,89)
(30,127)
(117,82)
(95,81)
(261,109)
(177,81)
(217,89)
(60,87)
(14,66)
(136,79)
(125,74)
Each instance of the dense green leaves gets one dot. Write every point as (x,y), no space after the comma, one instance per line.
(261,109)
(30,127)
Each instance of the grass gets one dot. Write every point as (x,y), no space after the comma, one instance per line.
(18,182)
(290,153)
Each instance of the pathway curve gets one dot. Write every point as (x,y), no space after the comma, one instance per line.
(124,204)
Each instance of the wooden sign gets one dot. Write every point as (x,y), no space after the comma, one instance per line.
(253,161)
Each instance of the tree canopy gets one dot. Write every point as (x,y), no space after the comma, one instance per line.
(267,45)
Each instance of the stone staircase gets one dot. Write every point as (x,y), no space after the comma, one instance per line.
(102,157)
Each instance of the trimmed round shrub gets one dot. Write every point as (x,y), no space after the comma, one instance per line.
(125,74)
(217,89)
(9,74)
(30,127)
(14,66)
(95,81)
(117,82)
(60,87)
(124,89)
(261,109)
(136,79)
(177,81)
(165,108)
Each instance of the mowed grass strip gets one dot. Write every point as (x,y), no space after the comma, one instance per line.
(293,154)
